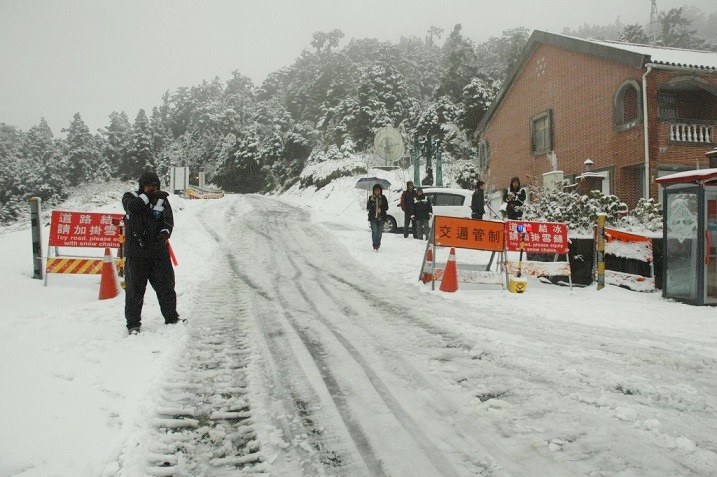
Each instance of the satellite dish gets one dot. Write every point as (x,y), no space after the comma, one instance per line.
(388,144)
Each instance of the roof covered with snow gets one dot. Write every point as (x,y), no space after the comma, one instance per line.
(684,177)
(678,57)
(638,56)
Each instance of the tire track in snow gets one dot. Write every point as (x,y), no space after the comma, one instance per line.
(612,351)
(325,452)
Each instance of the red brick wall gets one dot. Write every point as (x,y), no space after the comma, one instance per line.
(579,89)
(691,106)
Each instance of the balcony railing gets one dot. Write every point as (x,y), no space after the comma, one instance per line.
(690,132)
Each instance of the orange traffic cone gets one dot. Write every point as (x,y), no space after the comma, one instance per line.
(108,283)
(449,283)
(428,267)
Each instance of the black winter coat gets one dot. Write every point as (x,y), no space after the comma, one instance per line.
(422,208)
(515,198)
(382,207)
(146,234)
(478,203)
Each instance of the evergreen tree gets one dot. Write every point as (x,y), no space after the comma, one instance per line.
(634,34)
(497,55)
(477,97)
(381,101)
(84,162)
(675,31)
(42,173)
(12,199)
(141,151)
(118,146)
(459,65)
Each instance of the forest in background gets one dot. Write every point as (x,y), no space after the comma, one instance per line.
(326,105)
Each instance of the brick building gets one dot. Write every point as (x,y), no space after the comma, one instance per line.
(585,99)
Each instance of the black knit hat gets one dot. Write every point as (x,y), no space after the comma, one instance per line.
(149,177)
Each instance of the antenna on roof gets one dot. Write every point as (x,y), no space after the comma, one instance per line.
(653,23)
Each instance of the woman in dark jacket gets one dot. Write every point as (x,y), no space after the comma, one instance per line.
(515,198)
(377,207)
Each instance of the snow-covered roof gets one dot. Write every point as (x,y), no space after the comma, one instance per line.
(630,54)
(698,176)
(706,60)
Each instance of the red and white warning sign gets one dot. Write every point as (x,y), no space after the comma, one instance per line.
(84,229)
(538,237)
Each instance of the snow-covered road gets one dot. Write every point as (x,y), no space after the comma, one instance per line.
(307,353)
(352,375)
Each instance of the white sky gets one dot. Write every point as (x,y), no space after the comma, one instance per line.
(94,57)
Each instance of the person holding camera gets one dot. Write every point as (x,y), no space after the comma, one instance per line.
(514,198)
(148,226)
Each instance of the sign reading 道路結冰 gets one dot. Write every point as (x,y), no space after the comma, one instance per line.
(538,237)
(84,229)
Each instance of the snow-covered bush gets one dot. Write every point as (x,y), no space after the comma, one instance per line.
(578,211)
(467,174)
(320,174)
(647,214)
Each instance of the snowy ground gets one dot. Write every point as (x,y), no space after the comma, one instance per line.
(307,353)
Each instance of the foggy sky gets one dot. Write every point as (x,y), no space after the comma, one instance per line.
(60,57)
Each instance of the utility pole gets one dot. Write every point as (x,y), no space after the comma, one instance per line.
(654,24)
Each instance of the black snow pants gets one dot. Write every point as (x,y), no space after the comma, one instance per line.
(159,272)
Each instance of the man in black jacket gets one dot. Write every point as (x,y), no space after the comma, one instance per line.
(478,201)
(149,224)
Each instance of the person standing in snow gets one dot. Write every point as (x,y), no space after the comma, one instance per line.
(149,223)
(377,206)
(514,198)
(422,212)
(478,201)
(407,206)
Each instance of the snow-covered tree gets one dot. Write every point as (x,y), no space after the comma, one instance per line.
(498,54)
(83,155)
(477,97)
(459,65)
(141,151)
(118,146)
(676,31)
(634,34)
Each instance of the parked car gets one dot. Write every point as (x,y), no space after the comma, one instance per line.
(445,201)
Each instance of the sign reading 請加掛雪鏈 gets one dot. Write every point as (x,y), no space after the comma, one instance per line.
(538,237)
(468,233)
(84,229)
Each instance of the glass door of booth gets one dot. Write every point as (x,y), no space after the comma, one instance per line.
(710,245)
(681,252)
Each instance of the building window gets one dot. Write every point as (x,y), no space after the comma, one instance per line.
(483,154)
(627,105)
(541,133)
(668,106)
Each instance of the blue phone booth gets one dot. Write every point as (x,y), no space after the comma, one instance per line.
(690,236)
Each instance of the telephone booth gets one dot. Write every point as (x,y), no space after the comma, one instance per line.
(690,236)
